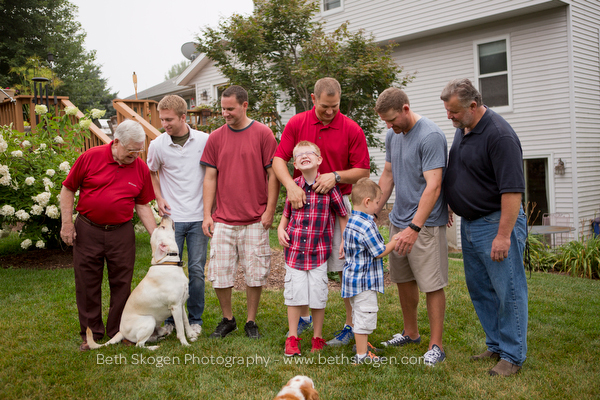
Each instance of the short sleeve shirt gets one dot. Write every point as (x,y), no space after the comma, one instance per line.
(483,165)
(342,142)
(241,158)
(311,227)
(362,243)
(180,172)
(108,191)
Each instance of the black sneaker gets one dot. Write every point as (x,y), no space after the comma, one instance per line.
(252,330)
(224,328)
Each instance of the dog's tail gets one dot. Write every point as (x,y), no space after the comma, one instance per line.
(93,345)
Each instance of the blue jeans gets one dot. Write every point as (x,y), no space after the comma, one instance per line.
(498,290)
(197,244)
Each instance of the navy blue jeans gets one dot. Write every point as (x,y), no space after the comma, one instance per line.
(498,290)
(197,244)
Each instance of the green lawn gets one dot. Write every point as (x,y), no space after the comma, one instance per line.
(39,340)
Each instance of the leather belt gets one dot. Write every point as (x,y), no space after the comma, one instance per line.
(103,227)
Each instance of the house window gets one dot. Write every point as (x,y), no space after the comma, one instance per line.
(332,5)
(493,73)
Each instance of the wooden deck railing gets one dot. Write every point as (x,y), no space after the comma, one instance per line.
(143,111)
(16,112)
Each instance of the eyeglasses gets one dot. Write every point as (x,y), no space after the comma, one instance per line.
(306,153)
(131,152)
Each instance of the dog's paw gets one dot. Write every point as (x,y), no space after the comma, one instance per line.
(152,347)
(193,338)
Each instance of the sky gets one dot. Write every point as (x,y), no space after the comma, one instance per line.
(145,36)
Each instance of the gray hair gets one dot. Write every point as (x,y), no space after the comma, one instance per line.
(130,131)
(464,90)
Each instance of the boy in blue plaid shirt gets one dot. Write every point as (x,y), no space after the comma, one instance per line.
(363,270)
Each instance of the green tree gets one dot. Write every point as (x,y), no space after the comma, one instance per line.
(177,69)
(279,52)
(34,28)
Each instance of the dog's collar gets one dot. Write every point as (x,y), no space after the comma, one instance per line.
(178,263)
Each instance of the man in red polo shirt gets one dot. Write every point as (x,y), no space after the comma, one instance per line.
(112,181)
(345,160)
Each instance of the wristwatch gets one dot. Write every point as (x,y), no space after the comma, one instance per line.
(414,227)
(338,178)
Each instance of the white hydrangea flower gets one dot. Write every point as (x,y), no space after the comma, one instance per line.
(16,153)
(3,169)
(58,140)
(22,215)
(42,146)
(41,109)
(50,172)
(40,244)
(7,210)
(27,242)
(85,123)
(42,199)
(29,180)
(5,179)
(64,166)
(36,209)
(26,144)
(45,229)
(48,184)
(3,146)
(97,113)
(72,110)
(52,212)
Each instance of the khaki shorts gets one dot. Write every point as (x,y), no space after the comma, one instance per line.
(334,264)
(303,288)
(427,263)
(246,245)
(364,312)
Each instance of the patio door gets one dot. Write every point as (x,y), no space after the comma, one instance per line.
(536,188)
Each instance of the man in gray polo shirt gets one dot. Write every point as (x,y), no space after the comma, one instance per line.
(416,154)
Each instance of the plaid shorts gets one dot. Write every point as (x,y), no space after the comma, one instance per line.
(246,245)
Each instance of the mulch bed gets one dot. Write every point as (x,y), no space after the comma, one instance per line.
(59,258)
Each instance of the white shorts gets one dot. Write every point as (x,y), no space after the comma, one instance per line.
(334,264)
(364,312)
(303,288)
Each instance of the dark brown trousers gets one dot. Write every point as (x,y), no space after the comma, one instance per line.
(91,248)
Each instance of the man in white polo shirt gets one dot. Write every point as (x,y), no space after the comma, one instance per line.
(178,177)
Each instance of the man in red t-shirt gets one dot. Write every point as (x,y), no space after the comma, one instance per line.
(345,160)
(240,181)
(112,181)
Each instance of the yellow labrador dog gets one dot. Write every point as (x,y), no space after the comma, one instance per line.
(163,292)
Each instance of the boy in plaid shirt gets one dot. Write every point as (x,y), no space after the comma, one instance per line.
(306,234)
(363,271)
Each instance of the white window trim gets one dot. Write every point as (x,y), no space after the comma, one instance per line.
(215,90)
(333,11)
(550,176)
(509,107)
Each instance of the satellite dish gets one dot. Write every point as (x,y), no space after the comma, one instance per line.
(189,50)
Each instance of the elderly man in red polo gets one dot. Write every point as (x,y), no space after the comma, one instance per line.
(112,181)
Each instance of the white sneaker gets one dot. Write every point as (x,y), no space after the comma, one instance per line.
(196,328)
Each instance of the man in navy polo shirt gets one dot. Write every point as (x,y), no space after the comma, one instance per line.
(484,183)
(112,181)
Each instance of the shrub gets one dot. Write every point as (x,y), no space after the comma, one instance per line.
(32,168)
(540,254)
(580,259)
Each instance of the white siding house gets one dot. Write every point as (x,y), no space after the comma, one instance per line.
(536,61)
(549,87)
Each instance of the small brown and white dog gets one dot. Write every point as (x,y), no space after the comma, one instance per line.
(163,292)
(299,387)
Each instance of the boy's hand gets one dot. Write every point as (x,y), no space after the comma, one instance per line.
(284,238)
(341,252)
